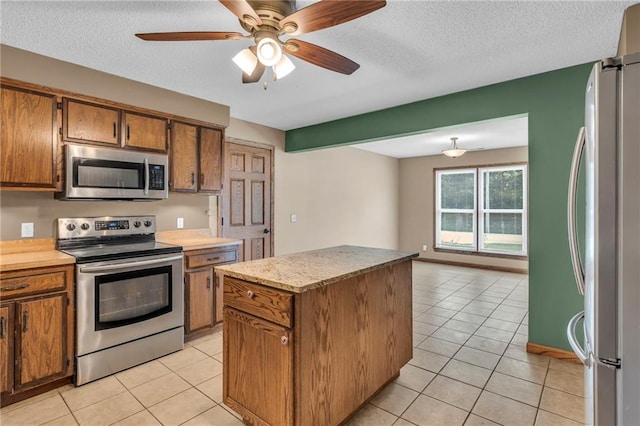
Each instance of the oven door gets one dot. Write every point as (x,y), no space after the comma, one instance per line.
(123,300)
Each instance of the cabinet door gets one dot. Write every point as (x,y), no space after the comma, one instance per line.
(199,299)
(41,342)
(210,160)
(28,138)
(6,347)
(219,295)
(145,132)
(263,351)
(184,143)
(85,122)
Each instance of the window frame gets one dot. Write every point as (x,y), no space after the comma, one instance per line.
(479,210)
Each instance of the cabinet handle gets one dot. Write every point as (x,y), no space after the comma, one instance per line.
(213,259)
(193,178)
(128,133)
(14,287)
(284,340)
(209,283)
(217,281)
(3,327)
(25,321)
(114,129)
(250,294)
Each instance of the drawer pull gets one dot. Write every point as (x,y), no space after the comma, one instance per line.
(14,287)
(3,327)
(25,321)
(213,259)
(284,340)
(250,294)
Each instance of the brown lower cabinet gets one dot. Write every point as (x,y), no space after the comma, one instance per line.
(203,288)
(36,330)
(316,357)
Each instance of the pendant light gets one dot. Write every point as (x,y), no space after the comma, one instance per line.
(453,151)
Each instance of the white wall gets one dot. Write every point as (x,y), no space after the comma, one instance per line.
(340,195)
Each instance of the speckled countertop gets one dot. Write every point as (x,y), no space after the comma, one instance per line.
(304,271)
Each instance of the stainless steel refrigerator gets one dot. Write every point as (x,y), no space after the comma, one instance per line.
(609,277)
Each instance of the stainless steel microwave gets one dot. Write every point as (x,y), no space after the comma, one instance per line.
(94,173)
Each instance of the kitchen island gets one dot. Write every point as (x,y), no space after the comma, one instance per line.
(310,337)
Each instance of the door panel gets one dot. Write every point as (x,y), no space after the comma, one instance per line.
(210,161)
(41,331)
(184,143)
(247,199)
(6,347)
(200,299)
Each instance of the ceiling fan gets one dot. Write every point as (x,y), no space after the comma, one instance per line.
(267,20)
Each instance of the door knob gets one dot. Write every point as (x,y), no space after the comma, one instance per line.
(266,231)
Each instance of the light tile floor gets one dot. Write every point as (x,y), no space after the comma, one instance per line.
(469,367)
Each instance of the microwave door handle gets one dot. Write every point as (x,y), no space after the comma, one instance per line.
(118,266)
(576,262)
(146,176)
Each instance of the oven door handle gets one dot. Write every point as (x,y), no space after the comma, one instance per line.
(116,266)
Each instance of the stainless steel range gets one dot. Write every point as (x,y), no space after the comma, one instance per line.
(129,293)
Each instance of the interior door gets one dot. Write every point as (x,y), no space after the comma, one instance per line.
(247,198)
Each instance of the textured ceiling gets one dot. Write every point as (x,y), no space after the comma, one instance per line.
(408,50)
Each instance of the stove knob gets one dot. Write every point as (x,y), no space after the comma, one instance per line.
(84,226)
(71,227)
(147,223)
(137,224)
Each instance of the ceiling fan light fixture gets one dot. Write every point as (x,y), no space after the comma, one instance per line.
(246,61)
(269,51)
(283,68)
(453,151)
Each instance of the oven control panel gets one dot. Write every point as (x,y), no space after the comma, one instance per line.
(91,227)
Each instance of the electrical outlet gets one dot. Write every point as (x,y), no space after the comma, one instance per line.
(180,223)
(294,218)
(26,229)
(424,247)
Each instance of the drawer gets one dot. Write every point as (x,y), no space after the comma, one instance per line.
(19,286)
(210,257)
(264,302)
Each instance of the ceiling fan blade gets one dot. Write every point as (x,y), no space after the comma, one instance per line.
(255,75)
(320,56)
(242,9)
(190,36)
(327,13)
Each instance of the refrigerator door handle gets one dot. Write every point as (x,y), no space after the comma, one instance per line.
(578,270)
(573,341)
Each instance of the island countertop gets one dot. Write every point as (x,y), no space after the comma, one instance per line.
(304,271)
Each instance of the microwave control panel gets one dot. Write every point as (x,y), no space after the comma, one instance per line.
(156,176)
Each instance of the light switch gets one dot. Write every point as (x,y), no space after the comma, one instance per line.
(180,223)
(294,218)
(27,229)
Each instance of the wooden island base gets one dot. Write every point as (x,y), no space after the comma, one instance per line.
(315,357)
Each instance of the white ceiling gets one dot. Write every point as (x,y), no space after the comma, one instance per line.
(408,50)
(492,134)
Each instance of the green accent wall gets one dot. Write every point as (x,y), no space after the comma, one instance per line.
(554,102)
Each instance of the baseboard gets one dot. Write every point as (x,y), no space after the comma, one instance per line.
(474,265)
(556,353)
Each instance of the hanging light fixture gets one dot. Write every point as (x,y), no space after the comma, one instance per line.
(268,52)
(453,151)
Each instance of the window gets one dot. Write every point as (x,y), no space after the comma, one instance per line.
(482,209)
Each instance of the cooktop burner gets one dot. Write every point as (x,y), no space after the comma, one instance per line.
(110,238)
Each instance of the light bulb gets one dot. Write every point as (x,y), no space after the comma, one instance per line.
(269,51)
(246,61)
(283,68)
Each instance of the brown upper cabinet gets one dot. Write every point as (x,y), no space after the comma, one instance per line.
(145,132)
(196,158)
(101,124)
(28,139)
(90,123)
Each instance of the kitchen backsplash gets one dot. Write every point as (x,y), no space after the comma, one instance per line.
(41,209)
